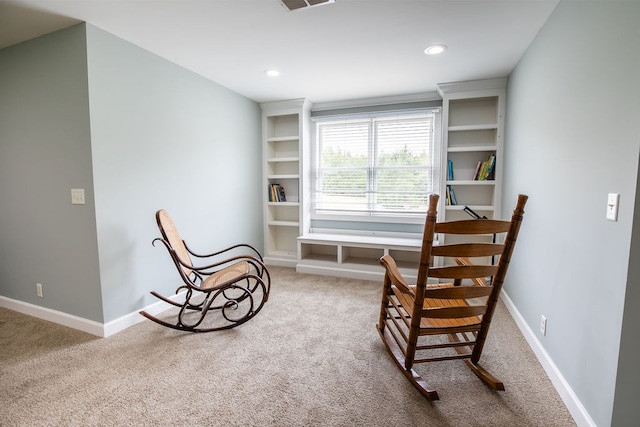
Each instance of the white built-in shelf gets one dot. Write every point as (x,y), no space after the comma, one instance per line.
(281,223)
(282,159)
(285,126)
(278,204)
(472,182)
(284,135)
(474,207)
(283,138)
(473,120)
(465,128)
(364,239)
(283,176)
(472,149)
(356,256)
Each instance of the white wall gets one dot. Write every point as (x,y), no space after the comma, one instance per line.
(572,137)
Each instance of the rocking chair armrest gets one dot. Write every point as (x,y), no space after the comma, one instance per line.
(220,252)
(202,269)
(394,275)
(478,281)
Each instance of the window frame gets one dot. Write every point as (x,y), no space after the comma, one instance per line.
(372,215)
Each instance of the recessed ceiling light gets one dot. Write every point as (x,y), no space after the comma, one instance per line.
(272,73)
(435,49)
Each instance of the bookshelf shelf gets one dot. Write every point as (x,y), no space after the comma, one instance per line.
(281,204)
(283,176)
(283,138)
(472,182)
(285,223)
(467,128)
(474,207)
(282,159)
(466,149)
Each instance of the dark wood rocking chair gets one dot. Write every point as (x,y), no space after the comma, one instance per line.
(234,283)
(448,319)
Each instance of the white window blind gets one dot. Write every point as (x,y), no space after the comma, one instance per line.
(380,164)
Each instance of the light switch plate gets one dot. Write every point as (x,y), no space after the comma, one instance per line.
(612,206)
(77,196)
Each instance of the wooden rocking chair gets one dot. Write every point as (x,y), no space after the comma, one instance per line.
(234,283)
(445,321)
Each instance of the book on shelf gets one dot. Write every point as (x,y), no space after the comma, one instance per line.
(492,167)
(485,170)
(450,169)
(477,171)
(276,193)
(451,196)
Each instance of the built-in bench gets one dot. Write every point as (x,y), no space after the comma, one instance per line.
(356,256)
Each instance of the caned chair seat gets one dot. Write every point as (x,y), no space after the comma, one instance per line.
(227,274)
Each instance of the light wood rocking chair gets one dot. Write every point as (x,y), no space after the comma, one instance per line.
(445,321)
(234,283)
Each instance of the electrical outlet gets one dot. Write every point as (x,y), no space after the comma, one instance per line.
(543,325)
(39,290)
(613,199)
(77,196)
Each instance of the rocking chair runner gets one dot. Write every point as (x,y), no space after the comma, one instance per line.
(233,284)
(412,317)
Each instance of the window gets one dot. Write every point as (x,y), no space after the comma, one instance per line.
(375,165)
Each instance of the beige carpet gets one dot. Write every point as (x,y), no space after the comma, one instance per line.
(312,357)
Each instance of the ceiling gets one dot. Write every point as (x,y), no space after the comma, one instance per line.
(350,49)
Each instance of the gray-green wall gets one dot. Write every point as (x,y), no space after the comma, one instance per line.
(572,137)
(163,137)
(45,151)
(82,108)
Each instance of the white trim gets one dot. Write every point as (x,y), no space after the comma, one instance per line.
(432,116)
(321,231)
(355,272)
(79,323)
(380,218)
(375,114)
(575,407)
(278,261)
(471,85)
(369,240)
(372,102)
(90,326)
(128,320)
(276,108)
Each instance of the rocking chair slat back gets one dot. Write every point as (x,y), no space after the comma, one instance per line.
(454,297)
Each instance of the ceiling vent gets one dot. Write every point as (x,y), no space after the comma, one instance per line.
(304,4)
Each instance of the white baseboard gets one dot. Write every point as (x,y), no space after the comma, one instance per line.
(89,326)
(339,271)
(131,319)
(575,407)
